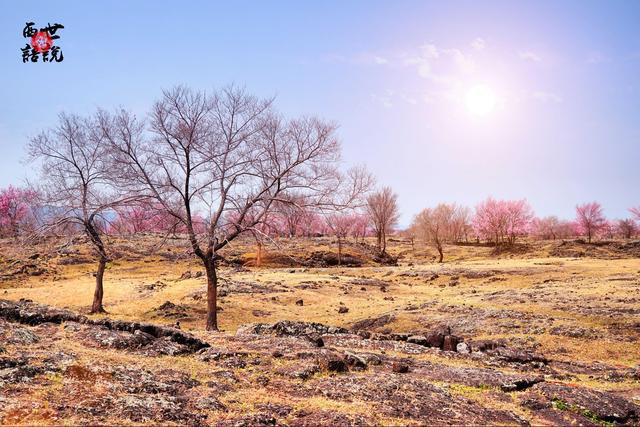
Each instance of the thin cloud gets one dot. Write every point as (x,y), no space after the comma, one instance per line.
(440,65)
(385,100)
(478,44)
(547,97)
(529,56)
(359,59)
(380,60)
(390,97)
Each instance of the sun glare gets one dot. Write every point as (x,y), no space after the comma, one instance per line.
(480,100)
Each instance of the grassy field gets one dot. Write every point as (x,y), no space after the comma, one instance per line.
(580,311)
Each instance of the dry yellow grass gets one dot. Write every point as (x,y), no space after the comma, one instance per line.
(531,297)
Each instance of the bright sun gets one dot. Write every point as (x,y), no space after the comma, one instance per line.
(480,100)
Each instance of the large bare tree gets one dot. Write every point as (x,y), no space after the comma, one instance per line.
(75,187)
(382,208)
(220,153)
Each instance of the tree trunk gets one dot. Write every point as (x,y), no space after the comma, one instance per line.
(384,242)
(440,252)
(339,251)
(96,307)
(212,295)
(259,255)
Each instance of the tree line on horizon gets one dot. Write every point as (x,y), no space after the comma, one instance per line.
(492,221)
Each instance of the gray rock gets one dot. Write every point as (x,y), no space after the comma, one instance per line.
(23,336)
(462,348)
(418,339)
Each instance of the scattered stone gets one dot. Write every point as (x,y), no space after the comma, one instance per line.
(152,287)
(373,322)
(435,339)
(289,328)
(30,313)
(105,332)
(169,310)
(355,361)
(463,348)
(333,363)
(400,368)
(593,405)
(315,339)
(315,418)
(418,339)
(342,309)
(450,343)
(23,336)
(210,404)
(518,356)
(521,384)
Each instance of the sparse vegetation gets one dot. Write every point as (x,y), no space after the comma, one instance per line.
(528,343)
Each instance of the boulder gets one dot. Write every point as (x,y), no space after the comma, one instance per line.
(450,343)
(399,367)
(418,339)
(463,348)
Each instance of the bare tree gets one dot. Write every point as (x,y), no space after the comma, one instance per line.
(627,228)
(437,225)
(75,185)
(461,224)
(341,225)
(382,208)
(220,153)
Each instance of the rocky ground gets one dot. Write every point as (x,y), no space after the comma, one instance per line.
(513,338)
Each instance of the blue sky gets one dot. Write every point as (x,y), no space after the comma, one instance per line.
(394,75)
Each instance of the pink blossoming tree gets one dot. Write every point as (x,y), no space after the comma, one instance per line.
(590,219)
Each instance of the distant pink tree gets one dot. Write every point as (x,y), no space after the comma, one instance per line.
(15,210)
(568,229)
(546,228)
(608,230)
(290,215)
(590,219)
(361,227)
(143,218)
(519,215)
(552,228)
(635,212)
(315,226)
(489,220)
(502,221)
